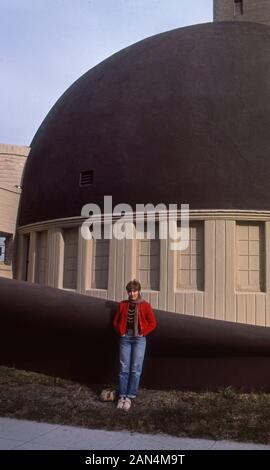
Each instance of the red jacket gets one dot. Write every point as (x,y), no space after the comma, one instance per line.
(146,318)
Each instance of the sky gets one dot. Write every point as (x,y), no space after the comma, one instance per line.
(45,45)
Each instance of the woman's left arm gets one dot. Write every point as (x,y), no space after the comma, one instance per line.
(151,319)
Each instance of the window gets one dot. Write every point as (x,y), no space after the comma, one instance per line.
(238,7)
(6,246)
(190,262)
(86,178)
(2,249)
(70,258)
(148,261)
(100,264)
(250,248)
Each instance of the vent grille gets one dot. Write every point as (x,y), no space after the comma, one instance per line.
(238,7)
(86,178)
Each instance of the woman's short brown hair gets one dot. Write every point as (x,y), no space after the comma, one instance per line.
(134,284)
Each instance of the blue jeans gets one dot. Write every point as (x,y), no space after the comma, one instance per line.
(132,349)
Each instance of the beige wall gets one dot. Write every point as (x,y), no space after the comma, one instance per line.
(253,10)
(12,161)
(220,251)
(9,201)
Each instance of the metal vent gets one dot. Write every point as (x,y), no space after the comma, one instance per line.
(86,178)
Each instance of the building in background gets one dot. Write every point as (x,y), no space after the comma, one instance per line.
(242,10)
(12,161)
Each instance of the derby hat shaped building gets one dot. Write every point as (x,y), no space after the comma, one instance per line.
(179,118)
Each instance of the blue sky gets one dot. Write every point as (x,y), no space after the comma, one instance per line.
(45,45)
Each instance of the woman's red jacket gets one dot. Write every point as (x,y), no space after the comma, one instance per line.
(146,318)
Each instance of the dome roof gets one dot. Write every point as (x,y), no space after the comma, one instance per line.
(181,117)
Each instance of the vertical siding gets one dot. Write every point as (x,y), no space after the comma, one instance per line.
(230,311)
(120,270)
(112,270)
(99,293)
(180,305)
(84,263)
(219,299)
(152,297)
(220,252)
(32,257)
(267,272)
(251,315)
(260,309)
(162,300)
(209,282)
(41,258)
(130,265)
(23,250)
(190,303)
(171,281)
(251,308)
(198,304)
(241,308)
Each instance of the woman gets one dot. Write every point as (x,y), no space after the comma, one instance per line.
(133,321)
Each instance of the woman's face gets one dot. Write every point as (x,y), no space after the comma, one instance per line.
(133,294)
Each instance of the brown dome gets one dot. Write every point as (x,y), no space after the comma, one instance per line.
(181,117)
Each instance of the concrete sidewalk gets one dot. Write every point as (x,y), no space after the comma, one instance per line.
(29,435)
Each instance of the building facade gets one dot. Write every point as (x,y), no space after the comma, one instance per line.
(223,274)
(12,161)
(163,137)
